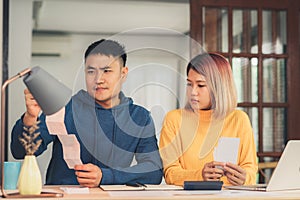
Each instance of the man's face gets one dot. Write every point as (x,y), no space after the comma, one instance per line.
(104,76)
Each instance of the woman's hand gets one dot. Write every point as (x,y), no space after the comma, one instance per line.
(88,175)
(235,174)
(213,171)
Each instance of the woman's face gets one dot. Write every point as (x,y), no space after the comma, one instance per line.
(197,91)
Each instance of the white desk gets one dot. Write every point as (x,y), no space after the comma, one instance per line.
(97,193)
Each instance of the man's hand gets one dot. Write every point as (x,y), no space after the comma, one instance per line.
(88,175)
(32,109)
(211,171)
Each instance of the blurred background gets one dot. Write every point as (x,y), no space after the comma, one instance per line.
(260,38)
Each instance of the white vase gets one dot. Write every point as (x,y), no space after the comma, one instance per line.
(30,179)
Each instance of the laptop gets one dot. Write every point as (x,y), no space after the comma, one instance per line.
(286,175)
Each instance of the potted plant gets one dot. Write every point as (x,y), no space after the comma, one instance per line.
(30,180)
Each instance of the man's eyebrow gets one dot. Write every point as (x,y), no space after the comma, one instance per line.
(100,68)
(90,67)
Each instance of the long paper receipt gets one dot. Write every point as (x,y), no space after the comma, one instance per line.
(71,147)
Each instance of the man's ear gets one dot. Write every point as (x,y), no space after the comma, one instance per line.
(124,72)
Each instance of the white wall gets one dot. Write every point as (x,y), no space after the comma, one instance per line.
(20,42)
(1,36)
(19,55)
(156,77)
(156,64)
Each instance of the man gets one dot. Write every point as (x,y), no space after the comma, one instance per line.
(112,131)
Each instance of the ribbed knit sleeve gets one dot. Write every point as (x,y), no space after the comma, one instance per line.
(173,144)
(247,152)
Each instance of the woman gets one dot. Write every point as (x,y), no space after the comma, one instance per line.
(190,135)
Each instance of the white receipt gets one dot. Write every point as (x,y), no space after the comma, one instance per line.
(76,190)
(55,123)
(227,150)
(71,147)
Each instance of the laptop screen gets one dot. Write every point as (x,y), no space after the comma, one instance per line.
(286,175)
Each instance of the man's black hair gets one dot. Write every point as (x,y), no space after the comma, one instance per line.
(107,48)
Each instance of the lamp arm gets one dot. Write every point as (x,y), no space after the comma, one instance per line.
(3,119)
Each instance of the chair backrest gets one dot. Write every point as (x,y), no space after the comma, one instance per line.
(263,166)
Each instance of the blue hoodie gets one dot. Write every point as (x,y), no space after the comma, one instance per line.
(112,139)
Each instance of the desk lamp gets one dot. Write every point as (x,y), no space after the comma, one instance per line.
(50,94)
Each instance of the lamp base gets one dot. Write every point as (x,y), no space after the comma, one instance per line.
(43,194)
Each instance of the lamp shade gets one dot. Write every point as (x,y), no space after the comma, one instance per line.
(50,94)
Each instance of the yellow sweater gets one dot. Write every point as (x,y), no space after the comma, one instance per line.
(184,153)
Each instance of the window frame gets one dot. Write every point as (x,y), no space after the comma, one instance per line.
(292,8)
